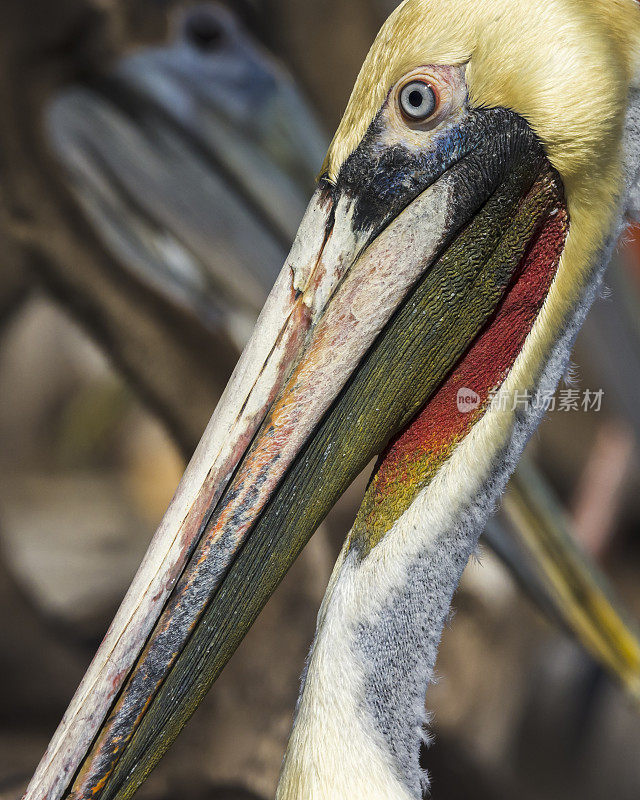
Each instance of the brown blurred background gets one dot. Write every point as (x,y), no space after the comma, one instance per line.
(106,381)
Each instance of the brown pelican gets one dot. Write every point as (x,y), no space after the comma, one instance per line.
(457,237)
(192,160)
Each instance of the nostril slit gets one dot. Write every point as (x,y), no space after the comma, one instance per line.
(204,31)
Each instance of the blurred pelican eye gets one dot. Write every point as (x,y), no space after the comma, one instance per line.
(418,101)
(204,30)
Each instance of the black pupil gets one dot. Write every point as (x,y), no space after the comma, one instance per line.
(416,99)
(204,31)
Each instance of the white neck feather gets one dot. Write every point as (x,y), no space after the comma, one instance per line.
(361,717)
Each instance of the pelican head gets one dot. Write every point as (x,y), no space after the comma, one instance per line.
(455,240)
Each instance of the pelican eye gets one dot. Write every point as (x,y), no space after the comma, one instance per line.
(418,101)
(204,30)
